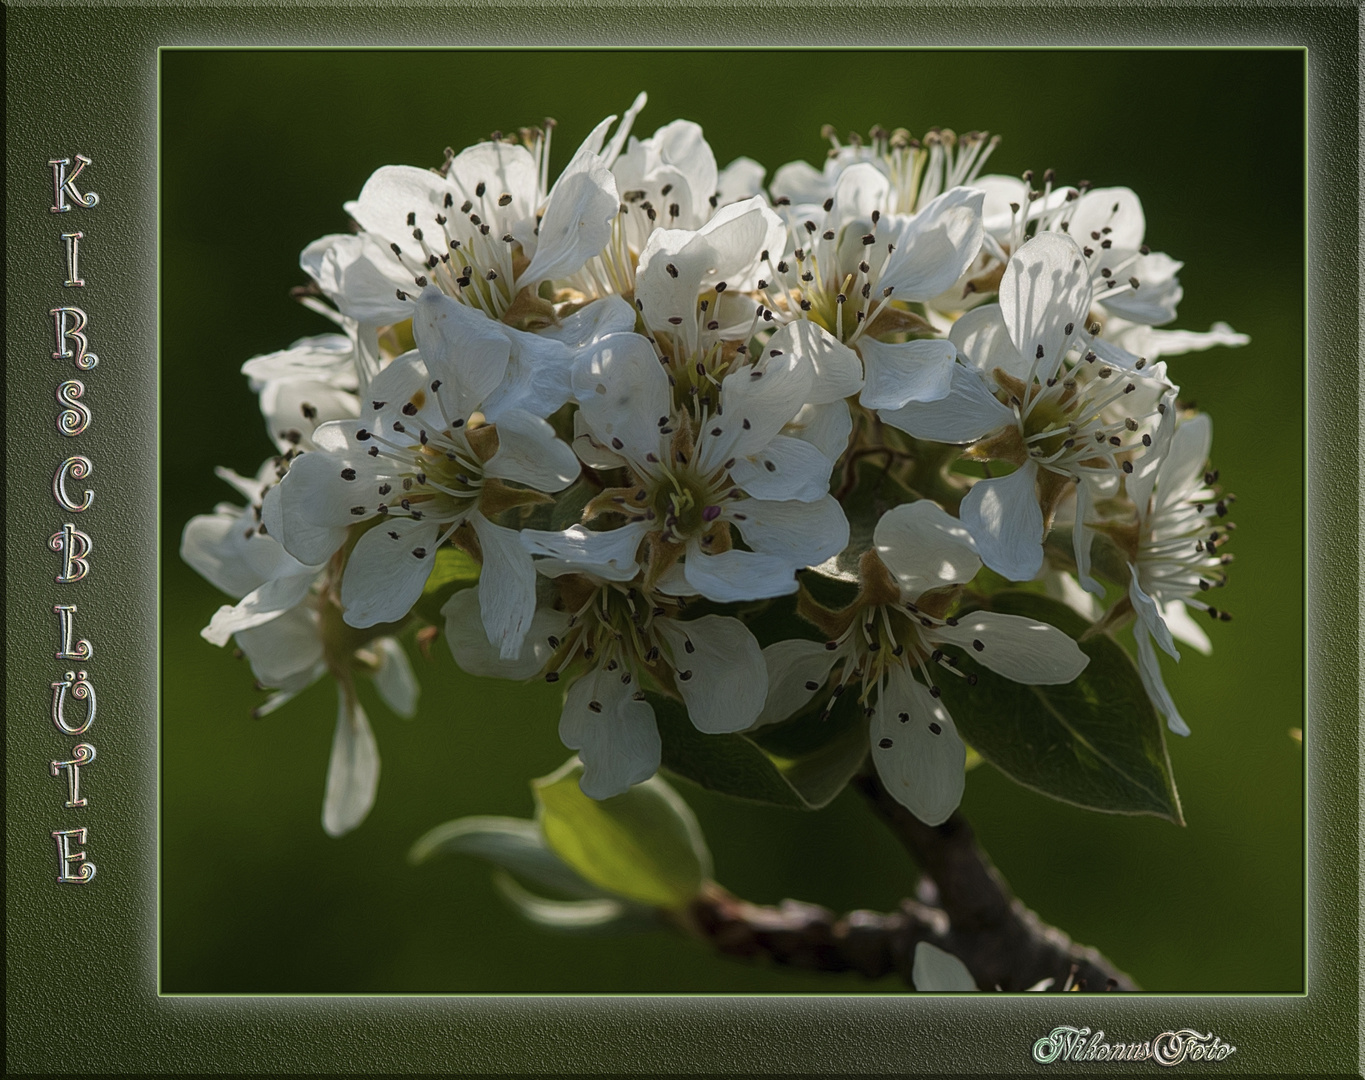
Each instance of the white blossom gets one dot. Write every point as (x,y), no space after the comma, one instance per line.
(891,636)
(615,641)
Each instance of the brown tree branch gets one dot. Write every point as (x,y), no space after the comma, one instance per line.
(970,913)
(1000,940)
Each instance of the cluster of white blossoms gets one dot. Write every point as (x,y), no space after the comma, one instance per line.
(643,390)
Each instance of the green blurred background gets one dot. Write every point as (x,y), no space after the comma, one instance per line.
(258,152)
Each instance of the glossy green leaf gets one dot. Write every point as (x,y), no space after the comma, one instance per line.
(801,764)
(514,844)
(643,845)
(730,764)
(818,757)
(1095,742)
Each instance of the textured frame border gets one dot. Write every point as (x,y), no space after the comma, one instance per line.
(81,964)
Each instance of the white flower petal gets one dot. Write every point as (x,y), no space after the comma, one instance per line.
(589,448)
(623,393)
(609,554)
(589,324)
(983,342)
(1150,616)
(384,574)
(935,246)
(910,371)
(801,182)
(1115,355)
(682,145)
(360,276)
(738,575)
(1158,291)
(222,547)
(477,655)
(794,667)
(919,756)
(618,139)
(503,168)
(968,412)
(285,653)
(310,510)
(392,193)
(1182,472)
(720,671)
(861,189)
(1149,669)
(1083,538)
(826,427)
(507,586)
(925,548)
(1149,468)
(801,533)
(1045,289)
(538,379)
(293,408)
(741,179)
(259,606)
(1155,343)
(463,348)
(394,679)
(725,249)
(529,453)
(353,772)
(1182,626)
(938,972)
(786,468)
(1117,209)
(577,222)
(618,741)
(1006,522)
(759,402)
(327,358)
(1018,648)
(838,371)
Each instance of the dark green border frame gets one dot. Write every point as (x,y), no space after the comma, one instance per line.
(81,963)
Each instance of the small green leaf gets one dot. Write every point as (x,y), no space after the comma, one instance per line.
(569,504)
(800,764)
(1095,742)
(511,843)
(574,916)
(454,570)
(818,757)
(643,845)
(729,764)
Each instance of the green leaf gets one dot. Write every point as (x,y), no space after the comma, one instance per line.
(818,757)
(643,845)
(575,916)
(729,764)
(511,843)
(454,570)
(1095,742)
(800,764)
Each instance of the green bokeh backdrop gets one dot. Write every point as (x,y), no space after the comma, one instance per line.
(260,149)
